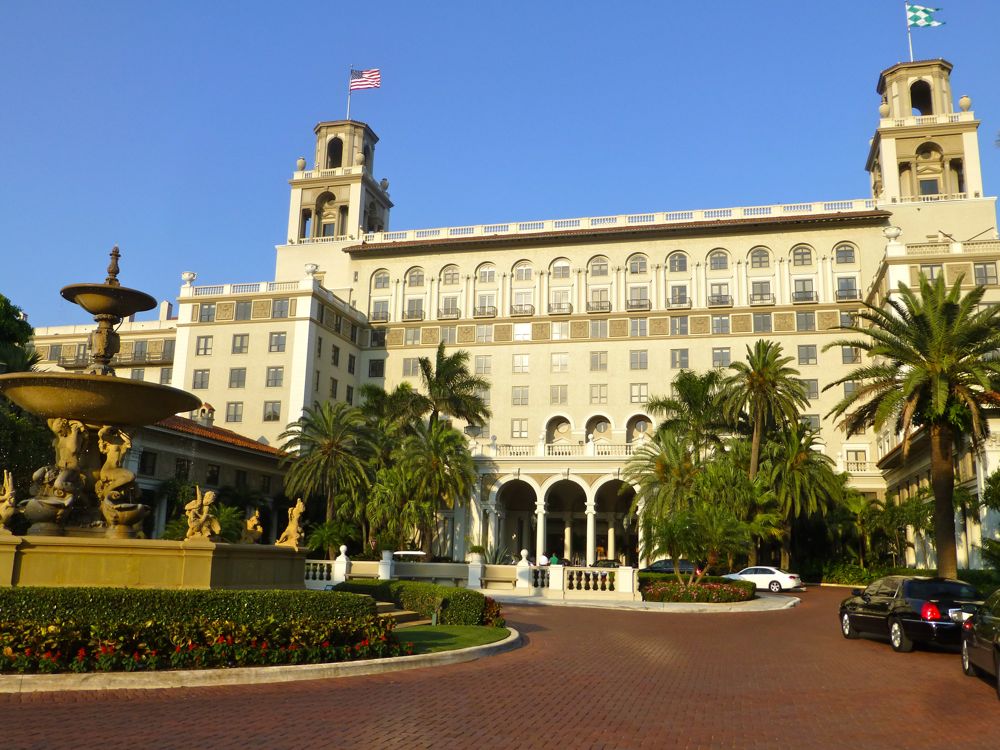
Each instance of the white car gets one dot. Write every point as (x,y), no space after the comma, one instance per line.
(772,579)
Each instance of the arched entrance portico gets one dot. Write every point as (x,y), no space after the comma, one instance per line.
(563,527)
(616,537)
(516,503)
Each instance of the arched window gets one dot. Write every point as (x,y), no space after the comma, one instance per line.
(334,153)
(637,264)
(760,258)
(599,428)
(380,280)
(522,271)
(487,273)
(930,169)
(677,262)
(802,256)
(415,277)
(560,268)
(920,98)
(599,266)
(449,275)
(718,260)
(844,253)
(326,211)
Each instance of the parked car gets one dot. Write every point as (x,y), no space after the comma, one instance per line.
(766,577)
(909,609)
(667,566)
(605,564)
(981,640)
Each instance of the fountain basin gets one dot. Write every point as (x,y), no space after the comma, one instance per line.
(95,399)
(108,299)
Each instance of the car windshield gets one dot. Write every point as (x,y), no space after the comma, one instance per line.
(940,590)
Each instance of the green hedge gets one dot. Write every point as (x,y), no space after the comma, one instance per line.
(457,606)
(54,645)
(986,581)
(647,578)
(136,605)
(716,591)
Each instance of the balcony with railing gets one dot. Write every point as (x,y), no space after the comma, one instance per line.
(560,308)
(449,313)
(679,303)
(484,311)
(848,295)
(76,362)
(522,311)
(761,299)
(379,316)
(720,300)
(599,306)
(805,296)
(638,305)
(413,315)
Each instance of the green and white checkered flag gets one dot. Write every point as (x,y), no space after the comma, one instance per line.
(918,15)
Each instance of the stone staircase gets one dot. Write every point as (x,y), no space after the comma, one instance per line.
(404,618)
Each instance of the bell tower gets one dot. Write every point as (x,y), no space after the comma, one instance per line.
(338,198)
(923,150)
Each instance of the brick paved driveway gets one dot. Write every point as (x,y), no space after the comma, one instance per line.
(586,679)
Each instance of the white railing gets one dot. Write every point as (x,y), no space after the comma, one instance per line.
(950,117)
(944,248)
(613,449)
(307,174)
(622,220)
(933,198)
(560,450)
(319,574)
(594,581)
(861,467)
(514,451)
(205,291)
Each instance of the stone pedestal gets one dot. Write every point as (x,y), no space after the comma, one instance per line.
(385,566)
(341,566)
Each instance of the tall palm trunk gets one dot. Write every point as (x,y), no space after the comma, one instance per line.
(758,429)
(786,546)
(752,554)
(943,484)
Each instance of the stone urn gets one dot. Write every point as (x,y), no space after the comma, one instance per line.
(300,164)
(965,103)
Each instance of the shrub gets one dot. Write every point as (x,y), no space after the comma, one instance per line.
(986,581)
(648,578)
(136,605)
(54,645)
(714,592)
(456,606)
(492,615)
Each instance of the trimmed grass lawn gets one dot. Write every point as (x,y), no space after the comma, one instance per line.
(428,639)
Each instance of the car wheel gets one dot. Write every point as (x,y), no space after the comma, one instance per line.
(775,587)
(898,638)
(967,666)
(847,627)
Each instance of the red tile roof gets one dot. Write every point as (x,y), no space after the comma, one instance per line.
(218,434)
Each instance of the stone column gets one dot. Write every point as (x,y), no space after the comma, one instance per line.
(612,551)
(539,529)
(568,536)
(591,533)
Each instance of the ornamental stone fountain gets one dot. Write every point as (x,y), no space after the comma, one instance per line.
(83,510)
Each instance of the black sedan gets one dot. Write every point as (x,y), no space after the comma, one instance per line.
(909,609)
(667,566)
(981,640)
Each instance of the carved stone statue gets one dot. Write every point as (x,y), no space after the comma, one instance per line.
(292,535)
(201,523)
(252,531)
(8,504)
(116,483)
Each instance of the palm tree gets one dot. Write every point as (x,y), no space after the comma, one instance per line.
(694,409)
(934,365)
(437,467)
(327,450)
(452,389)
(767,388)
(800,477)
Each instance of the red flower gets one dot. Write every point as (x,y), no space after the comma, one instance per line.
(177,649)
(326,644)
(27,652)
(136,656)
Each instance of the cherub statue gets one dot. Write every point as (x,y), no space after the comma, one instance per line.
(68,442)
(8,504)
(292,535)
(201,523)
(116,483)
(252,531)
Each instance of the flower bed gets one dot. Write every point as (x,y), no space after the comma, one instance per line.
(455,606)
(35,646)
(712,592)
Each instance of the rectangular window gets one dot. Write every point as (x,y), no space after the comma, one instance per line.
(804,291)
(182,469)
(166,375)
(487,275)
(721,357)
(349,396)
(275,377)
(376,368)
(484,364)
(810,420)
(212,472)
(237,377)
(560,271)
(678,294)
(412,337)
(522,332)
(931,271)
(449,305)
(807,354)
(523,297)
(847,288)
(638,327)
(929,187)
(380,310)
(519,429)
(638,296)
(850,355)
(598,361)
(234,411)
(203,345)
(411,367)
(850,388)
(811,388)
(762,322)
(519,395)
(599,267)
(243,310)
(558,395)
(598,329)
(199,379)
(679,325)
(986,273)
(272,411)
(276,341)
(334,387)
(638,393)
(240,479)
(638,359)
(805,321)
(720,324)
(598,393)
(484,333)
(449,335)
(241,343)
(845,253)
(378,338)
(415,309)
(560,331)
(678,359)
(147,463)
(206,312)
(637,264)
(522,272)
(335,356)
(352,363)
(487,302)
(848,319)
(485,395)
(521,363)
(560,361)
(760,291)
(138,373)
(279,308)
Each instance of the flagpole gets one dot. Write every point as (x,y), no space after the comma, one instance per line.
(909,34)
(351,68)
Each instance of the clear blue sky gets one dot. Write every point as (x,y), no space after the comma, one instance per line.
(172,128)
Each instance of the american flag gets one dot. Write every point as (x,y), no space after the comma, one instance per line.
(365,79)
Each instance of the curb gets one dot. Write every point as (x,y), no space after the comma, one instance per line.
(193,678)
(761,603)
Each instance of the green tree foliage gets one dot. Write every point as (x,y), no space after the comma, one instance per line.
(452,389)
(932,363)
(14,328)
(693,412)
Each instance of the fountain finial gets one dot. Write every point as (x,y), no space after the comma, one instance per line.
(112,279)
